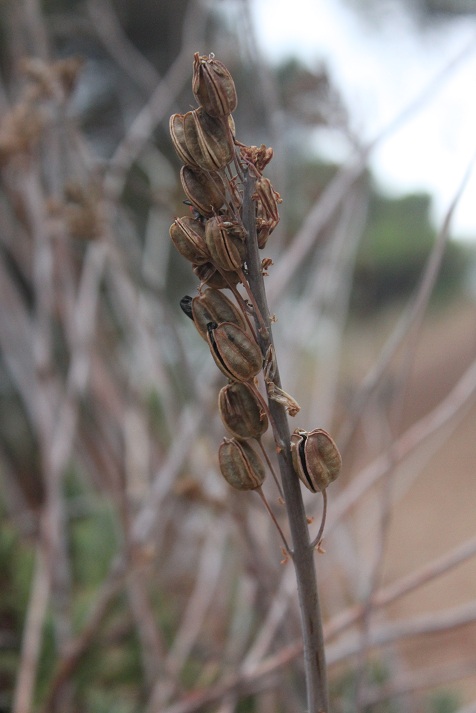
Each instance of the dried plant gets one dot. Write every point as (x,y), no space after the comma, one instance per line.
(235,211)
(133,577)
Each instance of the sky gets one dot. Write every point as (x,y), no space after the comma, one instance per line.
(380,63)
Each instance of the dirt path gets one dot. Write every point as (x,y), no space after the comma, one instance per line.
(436,509)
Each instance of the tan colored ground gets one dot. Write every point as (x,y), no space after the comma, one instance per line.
(437,511)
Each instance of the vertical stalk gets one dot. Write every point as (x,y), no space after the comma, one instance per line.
(302,550)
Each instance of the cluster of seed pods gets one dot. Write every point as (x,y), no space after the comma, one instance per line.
(212,237)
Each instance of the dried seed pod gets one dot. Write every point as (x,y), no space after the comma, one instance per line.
(205,191)
(259,156)
(213,306)
(267,216)
(225,240)
(207,140)
(240,465)
(177,134)
(209,274)
(236,354)
(213,85)
(241,412)
(188,236)
(316,458)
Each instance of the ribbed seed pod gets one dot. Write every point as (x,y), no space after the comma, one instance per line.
(177,134)
(235,353)
(240,465)
(316,458)
(213,306)
(209,274)
(226,242)
(207,140)
(188,236)
(206,191)
(241,412)
(213,86)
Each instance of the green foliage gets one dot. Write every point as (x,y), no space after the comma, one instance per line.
(443,702)
(16,566)
(343,689)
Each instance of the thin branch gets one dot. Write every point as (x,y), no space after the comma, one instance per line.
(303,554)
(445,621)
(32,636)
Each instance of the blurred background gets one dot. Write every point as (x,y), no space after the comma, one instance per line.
(133,579)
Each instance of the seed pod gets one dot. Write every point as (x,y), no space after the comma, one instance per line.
(235,353)
(205,191)
(259,156)
(225,241)
(207,140)
(240,465)
(241,412)
(188,237)
(209,274)
(177,134)
(213,306)
(213,86)
(316,458)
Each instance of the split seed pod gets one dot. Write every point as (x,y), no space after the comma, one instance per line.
(213,86)
(201,140)
(177,134)
(241,412)
(240,465)
(209,274)
(235,353)
(316,458)
(207,140)
(225,240)
(213,306)
(205,191)
(188,236)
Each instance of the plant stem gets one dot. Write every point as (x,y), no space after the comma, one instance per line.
(302,552)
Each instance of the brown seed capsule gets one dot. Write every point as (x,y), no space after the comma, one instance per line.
(316,458)
(188,236)
(226,242)
(241,412)
(206,191)
(213,86)
(209,274)
(207,140)
(177,134)
(240,465)
(236,354)
(213,306)
(267,216)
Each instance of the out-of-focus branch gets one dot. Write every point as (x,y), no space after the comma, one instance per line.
(106,23)
(32,636)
